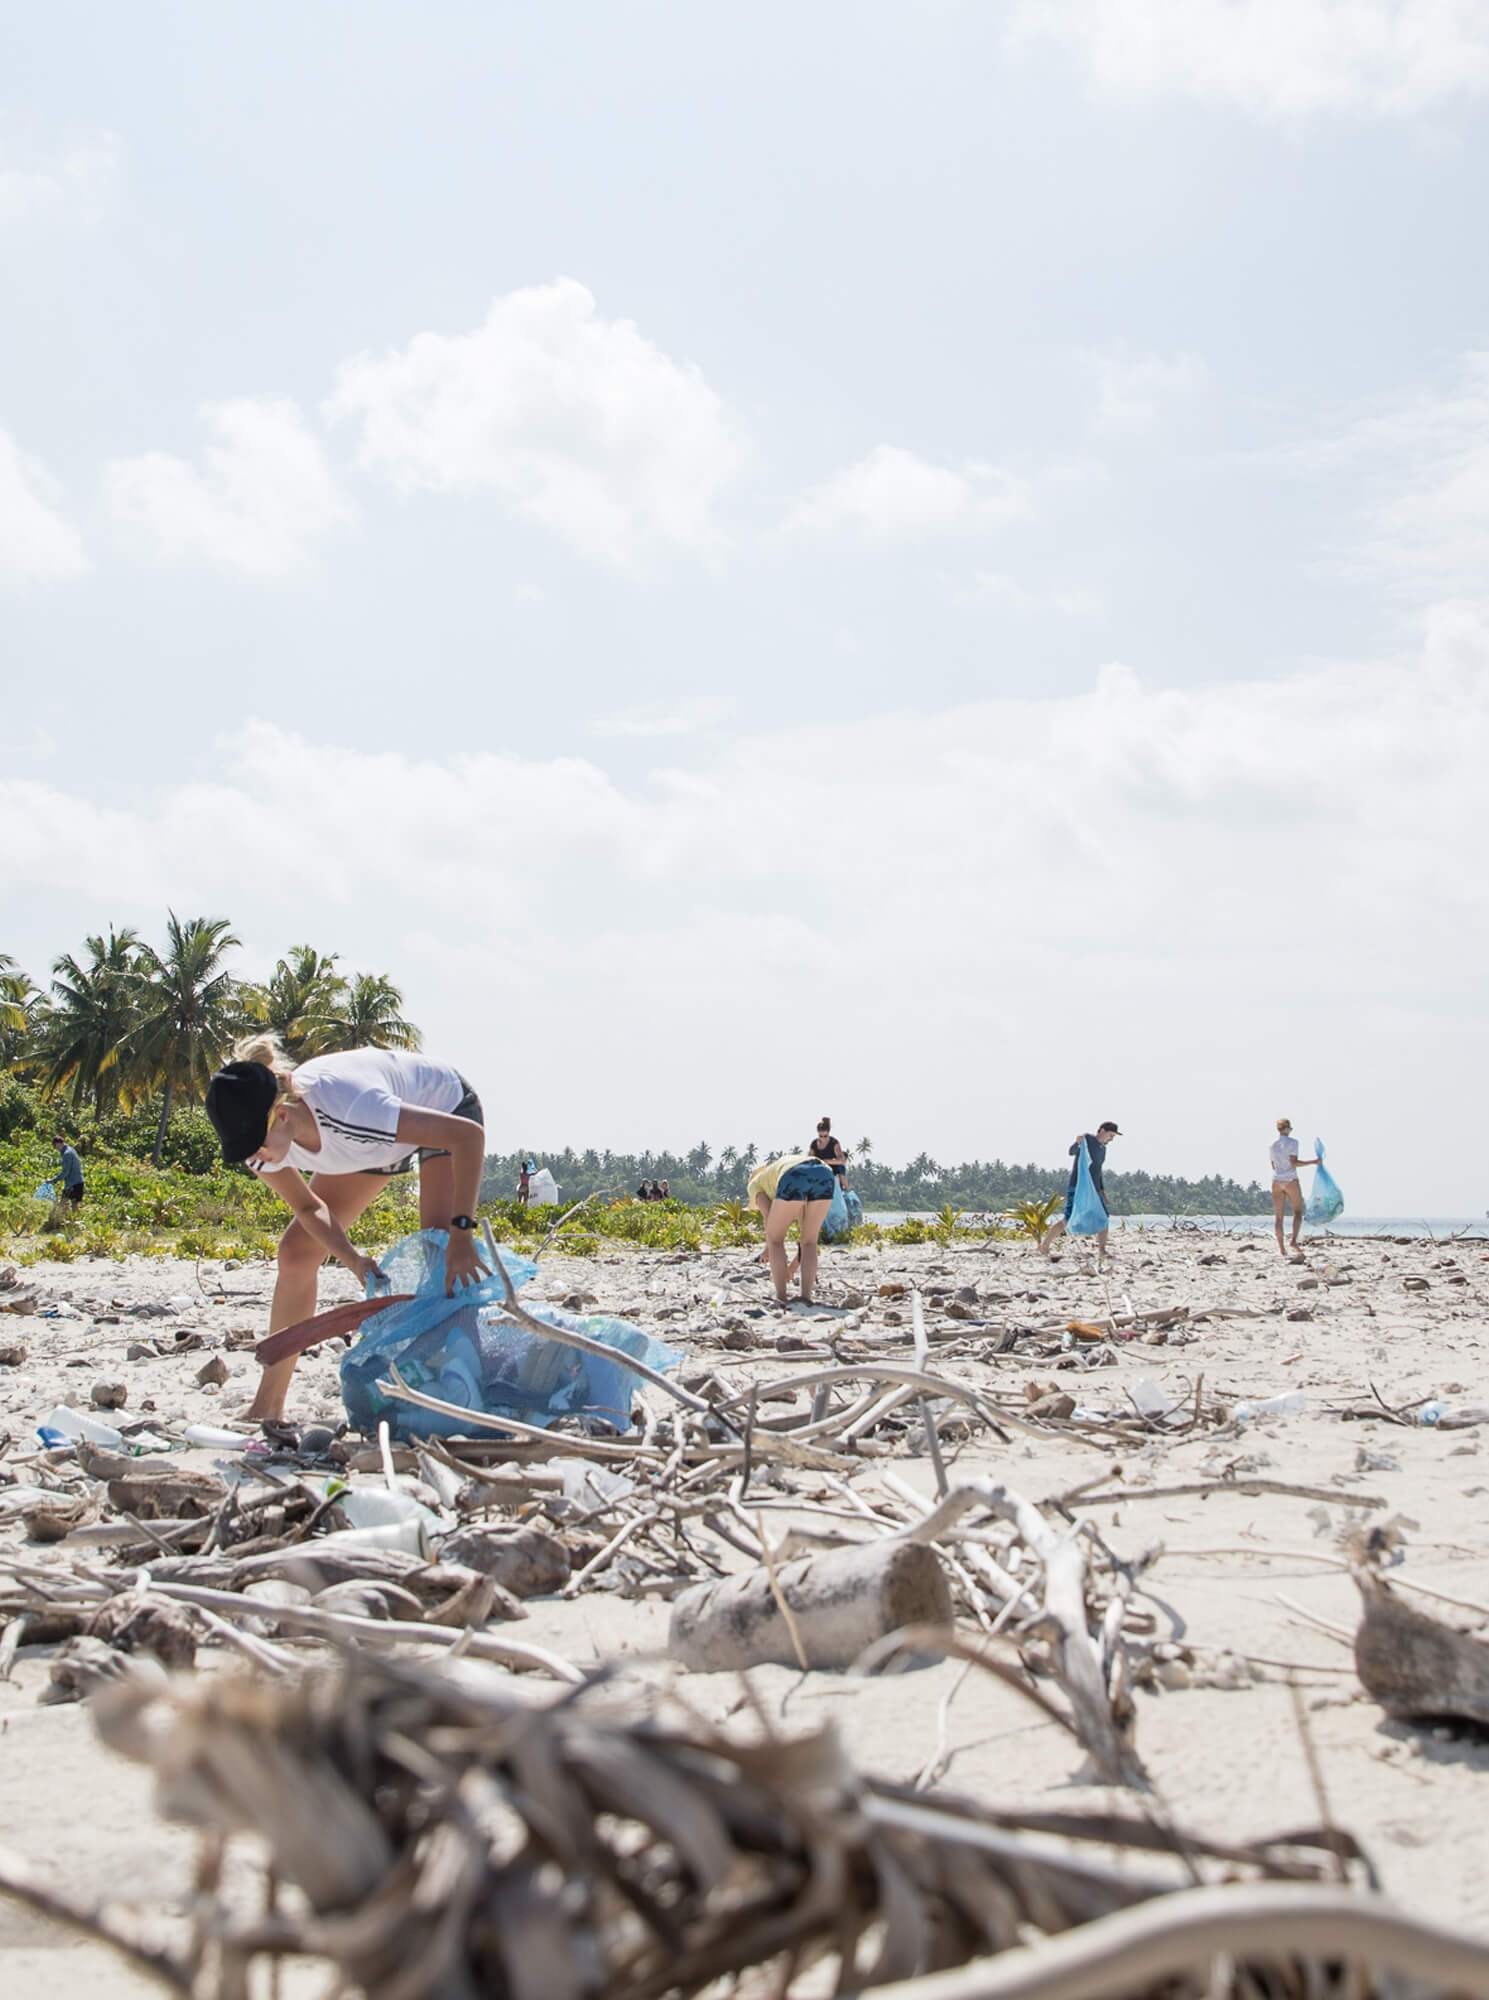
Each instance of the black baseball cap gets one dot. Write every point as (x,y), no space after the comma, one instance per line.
(1110,1125)
(239,1099)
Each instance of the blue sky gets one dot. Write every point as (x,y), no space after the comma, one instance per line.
(922,560)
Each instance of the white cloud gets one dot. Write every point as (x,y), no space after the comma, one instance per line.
(575,421)
(983,925)
(1135,391)
(262,502)
(681,718)
(1284,57)
(79,177)
(1417,473)
(997,590)
(37,543)
(893,495)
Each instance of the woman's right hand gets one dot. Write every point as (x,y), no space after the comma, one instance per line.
(368,1274)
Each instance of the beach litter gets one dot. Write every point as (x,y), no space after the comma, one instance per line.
(667,1855)
(804,1509)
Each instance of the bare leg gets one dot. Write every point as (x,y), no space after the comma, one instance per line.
(1051,1237)
(1295,1196)
(813,1214)
(300,1260)
(782,1215)
(1279,1203)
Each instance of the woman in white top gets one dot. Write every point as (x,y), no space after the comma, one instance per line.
(349,1121)
(1287,1189)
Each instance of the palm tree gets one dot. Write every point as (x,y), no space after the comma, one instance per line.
(368,1017)
(301,1001)
(189,1008)
(19,1001)
(84,1032)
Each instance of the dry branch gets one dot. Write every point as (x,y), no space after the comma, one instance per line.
(449,1841)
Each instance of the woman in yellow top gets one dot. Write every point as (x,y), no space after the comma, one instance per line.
(794,1188)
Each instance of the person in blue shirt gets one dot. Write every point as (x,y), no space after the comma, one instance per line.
(1096,1145)
(72,1170)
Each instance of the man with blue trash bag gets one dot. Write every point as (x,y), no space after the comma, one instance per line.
(1085,1205)
(72,1171)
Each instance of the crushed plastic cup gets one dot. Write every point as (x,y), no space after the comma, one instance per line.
(215,1438)
(75,1424)
(1150,1399)
(588,1485)
(1274,1406)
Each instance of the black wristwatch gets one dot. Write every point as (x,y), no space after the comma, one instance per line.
(462,1222)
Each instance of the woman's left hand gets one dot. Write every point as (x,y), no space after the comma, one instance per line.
(463,1265)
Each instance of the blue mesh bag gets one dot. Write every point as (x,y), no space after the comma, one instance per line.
(1088,1215)
(465,1351)
(844,1215)
(1325,1200)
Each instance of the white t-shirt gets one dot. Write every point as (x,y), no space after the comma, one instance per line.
(356,1098)
(1285,1151)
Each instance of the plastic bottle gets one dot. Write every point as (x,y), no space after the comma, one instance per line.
(1429,1413)
(53,1440)
(1274,1406)
(376,1507)
(75,1424)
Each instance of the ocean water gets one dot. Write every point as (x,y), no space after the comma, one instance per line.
(1436,1228)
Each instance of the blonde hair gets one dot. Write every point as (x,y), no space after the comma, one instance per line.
(268,1051)
(1284,1124)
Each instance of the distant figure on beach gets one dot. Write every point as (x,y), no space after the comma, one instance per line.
(350,1121)
(1287,1189)
(828,1149)
(795,1188)
(1096,1145)
(647,1191)
(72,1171)
(664,1191)
(524,1183)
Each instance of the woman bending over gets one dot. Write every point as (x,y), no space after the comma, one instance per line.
(795,1188)
(350,1121)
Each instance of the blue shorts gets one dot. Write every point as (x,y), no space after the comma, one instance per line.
(810,1181)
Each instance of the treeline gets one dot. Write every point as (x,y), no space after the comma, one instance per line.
(125,1030)
(701,1176)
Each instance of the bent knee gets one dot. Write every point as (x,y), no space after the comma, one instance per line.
(298,1249)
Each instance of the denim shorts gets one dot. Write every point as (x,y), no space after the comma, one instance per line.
(810,1181)
(468,1107)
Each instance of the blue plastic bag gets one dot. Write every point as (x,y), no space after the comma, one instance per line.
(1324,1199)
(844,1216)
(465,1351)
(1088,1215)
(46,1192)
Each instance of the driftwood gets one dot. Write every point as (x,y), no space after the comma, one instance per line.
(820,1611)
(1415,1666)
(525,1560)
(1289,1930)
(445,1840)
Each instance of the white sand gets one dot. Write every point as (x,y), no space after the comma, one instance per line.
(1226,1761)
